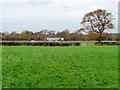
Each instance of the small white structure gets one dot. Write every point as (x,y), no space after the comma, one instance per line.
(54,39)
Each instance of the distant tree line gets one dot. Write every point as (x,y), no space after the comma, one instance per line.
(95,24)
(66,34)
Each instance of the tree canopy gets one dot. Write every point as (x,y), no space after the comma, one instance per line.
(97,21)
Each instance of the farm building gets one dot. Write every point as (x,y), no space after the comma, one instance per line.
(54,39)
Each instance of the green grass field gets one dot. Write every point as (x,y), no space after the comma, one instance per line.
(60,67)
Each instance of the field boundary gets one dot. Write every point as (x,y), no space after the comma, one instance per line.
(56,43)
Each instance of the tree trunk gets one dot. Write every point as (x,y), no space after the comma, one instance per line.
(100,39)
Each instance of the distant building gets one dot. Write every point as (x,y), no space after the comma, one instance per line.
(54,39)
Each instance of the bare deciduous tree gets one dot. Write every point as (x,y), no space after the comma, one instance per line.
(97,21)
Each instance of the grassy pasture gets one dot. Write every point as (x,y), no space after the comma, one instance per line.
(60,67)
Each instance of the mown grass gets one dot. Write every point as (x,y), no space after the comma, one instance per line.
(60,67)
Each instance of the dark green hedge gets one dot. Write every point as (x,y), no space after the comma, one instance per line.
(41,43)
(108,43)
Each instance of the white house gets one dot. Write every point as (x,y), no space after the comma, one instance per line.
(55,39)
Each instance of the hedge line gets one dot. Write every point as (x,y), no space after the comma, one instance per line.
(40,44)
(108,43)
(12,43)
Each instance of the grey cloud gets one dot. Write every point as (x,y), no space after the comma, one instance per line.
(66,8)
(40,2)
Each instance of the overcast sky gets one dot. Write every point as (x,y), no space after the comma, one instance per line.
(58,15)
